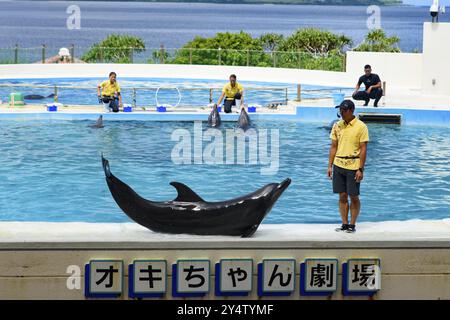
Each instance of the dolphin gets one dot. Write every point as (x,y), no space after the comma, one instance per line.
(214,117)
(330,125)
(98,124)
(37,96)
(189,213)
(244,120)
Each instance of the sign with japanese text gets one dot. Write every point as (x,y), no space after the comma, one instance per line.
(235,275)
(192,276)
(277,276)
(319,276)
(148,278)
(361,277)
(104,278)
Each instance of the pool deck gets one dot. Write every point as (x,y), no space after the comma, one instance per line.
(117,236)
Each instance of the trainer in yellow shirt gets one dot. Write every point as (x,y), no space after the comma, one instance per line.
(349,137)
(232,91)
(108,92)
(346,162)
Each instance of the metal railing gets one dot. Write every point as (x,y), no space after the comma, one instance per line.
(132,92)
(162,55)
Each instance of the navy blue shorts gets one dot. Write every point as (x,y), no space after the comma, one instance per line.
(344,181)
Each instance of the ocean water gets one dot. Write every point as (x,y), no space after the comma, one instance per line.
(51,170)
(33,23)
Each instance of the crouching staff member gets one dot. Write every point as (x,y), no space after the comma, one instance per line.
(108,93)
(232,91)
(346,161)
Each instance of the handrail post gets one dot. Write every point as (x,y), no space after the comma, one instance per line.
(16,54)
(43,53)
(55,97)
(72,53)
(287,96)
(133,95)
(210,95)
(161,54)
(299,92)
(344,66)
(384,88)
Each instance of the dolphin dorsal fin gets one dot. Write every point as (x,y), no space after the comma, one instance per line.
(99,121)
(185,194)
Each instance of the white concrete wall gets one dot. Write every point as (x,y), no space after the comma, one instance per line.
(296,76)
(399,70)
(436,58)
(406,273)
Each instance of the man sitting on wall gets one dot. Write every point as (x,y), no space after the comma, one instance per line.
(373,87)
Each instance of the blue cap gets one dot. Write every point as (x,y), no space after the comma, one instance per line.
(346,104)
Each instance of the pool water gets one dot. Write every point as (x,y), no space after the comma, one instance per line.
(171,91)
(51,171)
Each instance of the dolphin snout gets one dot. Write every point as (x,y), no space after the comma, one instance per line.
(283,185)
(276,193)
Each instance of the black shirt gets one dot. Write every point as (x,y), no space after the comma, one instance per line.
(369,80)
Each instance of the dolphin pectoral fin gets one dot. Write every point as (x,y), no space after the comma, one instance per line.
(106,167)
(185,194)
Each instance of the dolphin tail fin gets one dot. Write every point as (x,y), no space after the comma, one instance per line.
(185,194)
(106,167)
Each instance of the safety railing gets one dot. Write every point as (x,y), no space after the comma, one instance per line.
(86,95)
(163,55)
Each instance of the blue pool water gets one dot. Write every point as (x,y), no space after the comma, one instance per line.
(51,171)
(171,91)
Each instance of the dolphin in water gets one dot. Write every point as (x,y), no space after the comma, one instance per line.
(189,213)
(330,125)
(98,124)
(214,117)
(38,96)
(243,121)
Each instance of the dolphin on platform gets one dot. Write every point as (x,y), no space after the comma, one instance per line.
(189,213)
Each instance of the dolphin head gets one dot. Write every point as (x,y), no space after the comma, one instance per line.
(278,190)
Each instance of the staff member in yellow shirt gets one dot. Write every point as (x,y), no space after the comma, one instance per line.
(110,93)
(232,91)
(346,162)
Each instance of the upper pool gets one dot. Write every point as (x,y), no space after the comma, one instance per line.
(149,91)
(51,171)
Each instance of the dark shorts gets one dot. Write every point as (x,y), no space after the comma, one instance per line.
(344,181)
(113,103)
(232,102)
(228,104)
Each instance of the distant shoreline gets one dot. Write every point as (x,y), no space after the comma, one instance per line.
(265,2)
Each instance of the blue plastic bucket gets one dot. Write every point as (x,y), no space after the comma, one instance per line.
(127,109)
(251,109)
(52,108)
(338,98)
(219,109)
(161,109)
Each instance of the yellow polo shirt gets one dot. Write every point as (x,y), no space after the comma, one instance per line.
(231,91)
(109,89)
(349,136)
